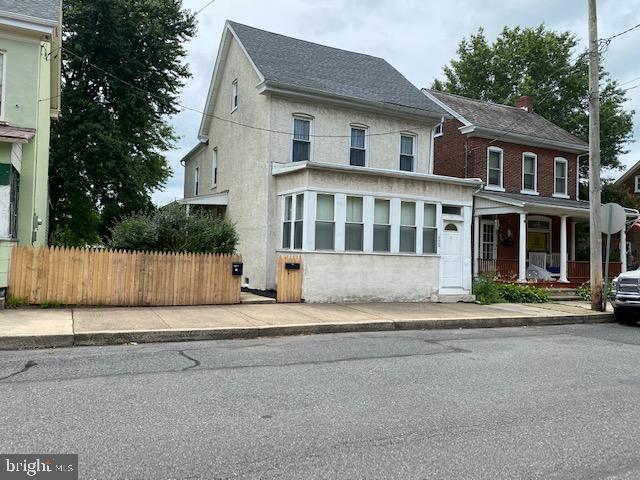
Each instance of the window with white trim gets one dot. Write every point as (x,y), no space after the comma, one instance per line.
(301,139)
(293,221)
(325,222)
(408,227)
(196,181)
(2,83)
(437,131)
(382,225)
(407,153)
(494,167)
(358,151)
(234,95)
(354,226)
(214,168)
(560,177)
(429,230)
(637,184)
(529,172)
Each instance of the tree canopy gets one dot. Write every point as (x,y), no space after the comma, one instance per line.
(122,72)
(547,66)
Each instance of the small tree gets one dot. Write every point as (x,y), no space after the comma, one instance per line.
(171,230)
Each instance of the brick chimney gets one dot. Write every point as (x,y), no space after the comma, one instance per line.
(525,103)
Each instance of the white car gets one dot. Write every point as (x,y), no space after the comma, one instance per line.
(626,302)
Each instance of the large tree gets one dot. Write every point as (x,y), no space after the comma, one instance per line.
(122,72)
(548,66)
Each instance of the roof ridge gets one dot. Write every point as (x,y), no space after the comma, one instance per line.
(487,102)
(231,22)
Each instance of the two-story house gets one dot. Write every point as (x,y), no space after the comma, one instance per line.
(525,216)
(630,181)
(29,98)
(328,153)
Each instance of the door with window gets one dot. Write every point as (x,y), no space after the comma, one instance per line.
(452,255)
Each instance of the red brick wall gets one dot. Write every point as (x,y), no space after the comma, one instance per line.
(450,159)
(630,183)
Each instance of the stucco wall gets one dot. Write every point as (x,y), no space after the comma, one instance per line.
(344,277)
(243,166)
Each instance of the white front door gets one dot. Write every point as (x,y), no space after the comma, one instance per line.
(452,255)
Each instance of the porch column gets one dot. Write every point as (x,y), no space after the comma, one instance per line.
(522,249)
(573,241)
(623,249)
(476,244)
(563,249)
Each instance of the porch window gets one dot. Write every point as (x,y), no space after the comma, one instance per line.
(381,226)
(354,227)
(494,167)
(297,225)
(358,152)
(325,222)
(529,172)
(408,227)
(293,221)
(286,224)
(429,231)
(407,154)
(301,140)
(560,177)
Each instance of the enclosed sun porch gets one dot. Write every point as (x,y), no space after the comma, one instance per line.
(523,238)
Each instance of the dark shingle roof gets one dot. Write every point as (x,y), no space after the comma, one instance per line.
(42,9)
(505,118)
(332,71)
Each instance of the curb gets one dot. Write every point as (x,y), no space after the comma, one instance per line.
(158,336)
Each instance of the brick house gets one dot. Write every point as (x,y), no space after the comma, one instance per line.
(525,215)
(630,182)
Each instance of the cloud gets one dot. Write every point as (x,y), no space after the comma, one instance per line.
(417,37)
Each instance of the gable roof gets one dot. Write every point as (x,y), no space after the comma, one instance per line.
(631,171)
(42,10)
(504,118)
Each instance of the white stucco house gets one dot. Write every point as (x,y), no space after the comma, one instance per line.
(327,154)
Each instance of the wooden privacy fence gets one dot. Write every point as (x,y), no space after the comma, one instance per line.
(76,276)
(289,279)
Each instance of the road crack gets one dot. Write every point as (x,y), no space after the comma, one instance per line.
(26,367)
(196,363)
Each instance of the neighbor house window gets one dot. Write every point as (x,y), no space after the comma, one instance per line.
(234,95)
(354,227)
(429,231)
(451,210)
(637,184)
(494,168)
(381,226)
(293,221)
(358,152)
(407,153)
(301,140)
(529,172)
(325,222)
(408,227)
(560,177)
(196,181)
(214,168)
(437,131)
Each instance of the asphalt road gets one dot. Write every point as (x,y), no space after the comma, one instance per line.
(547,403)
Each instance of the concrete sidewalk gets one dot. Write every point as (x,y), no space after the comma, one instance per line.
(38,328)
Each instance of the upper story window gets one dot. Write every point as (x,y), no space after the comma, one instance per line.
(529,172)
(407,153)
(637,184)
(214,168)
(354,226)
(196,181)
(437,131)
(234,95)
(358,152)
(325,222)
(560,176)
(494,168)
(301,139)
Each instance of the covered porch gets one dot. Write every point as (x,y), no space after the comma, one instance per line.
(524,238)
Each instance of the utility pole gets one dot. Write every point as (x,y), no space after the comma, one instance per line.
(595,231)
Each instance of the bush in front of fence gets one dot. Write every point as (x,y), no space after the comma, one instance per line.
(488,291)
(169,229)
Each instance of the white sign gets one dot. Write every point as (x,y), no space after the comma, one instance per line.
(612,218)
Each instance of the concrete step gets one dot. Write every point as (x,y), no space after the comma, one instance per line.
(562,294)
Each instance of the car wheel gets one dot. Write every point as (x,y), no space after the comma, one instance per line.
(625,317)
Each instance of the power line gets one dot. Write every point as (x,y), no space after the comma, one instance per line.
(621,33)
(198,11)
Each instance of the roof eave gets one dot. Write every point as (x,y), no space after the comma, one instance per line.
(628,174)
(473,130)
(193,151)
(286,168)
(445,107)
(269,86)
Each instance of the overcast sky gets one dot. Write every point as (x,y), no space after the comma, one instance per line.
(418,37)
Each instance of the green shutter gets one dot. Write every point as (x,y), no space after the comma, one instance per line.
(5,171)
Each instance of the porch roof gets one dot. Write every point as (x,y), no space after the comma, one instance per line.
(495,203)
(221,198)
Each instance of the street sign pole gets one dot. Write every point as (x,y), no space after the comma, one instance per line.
(605,294)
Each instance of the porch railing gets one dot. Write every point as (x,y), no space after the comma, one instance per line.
(508,269)
(580,271)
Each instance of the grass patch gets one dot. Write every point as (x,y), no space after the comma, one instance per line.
(52,304)
(15,302)
(488,291)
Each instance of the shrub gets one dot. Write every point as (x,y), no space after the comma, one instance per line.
(488,291)
(584,291)
(171,230)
